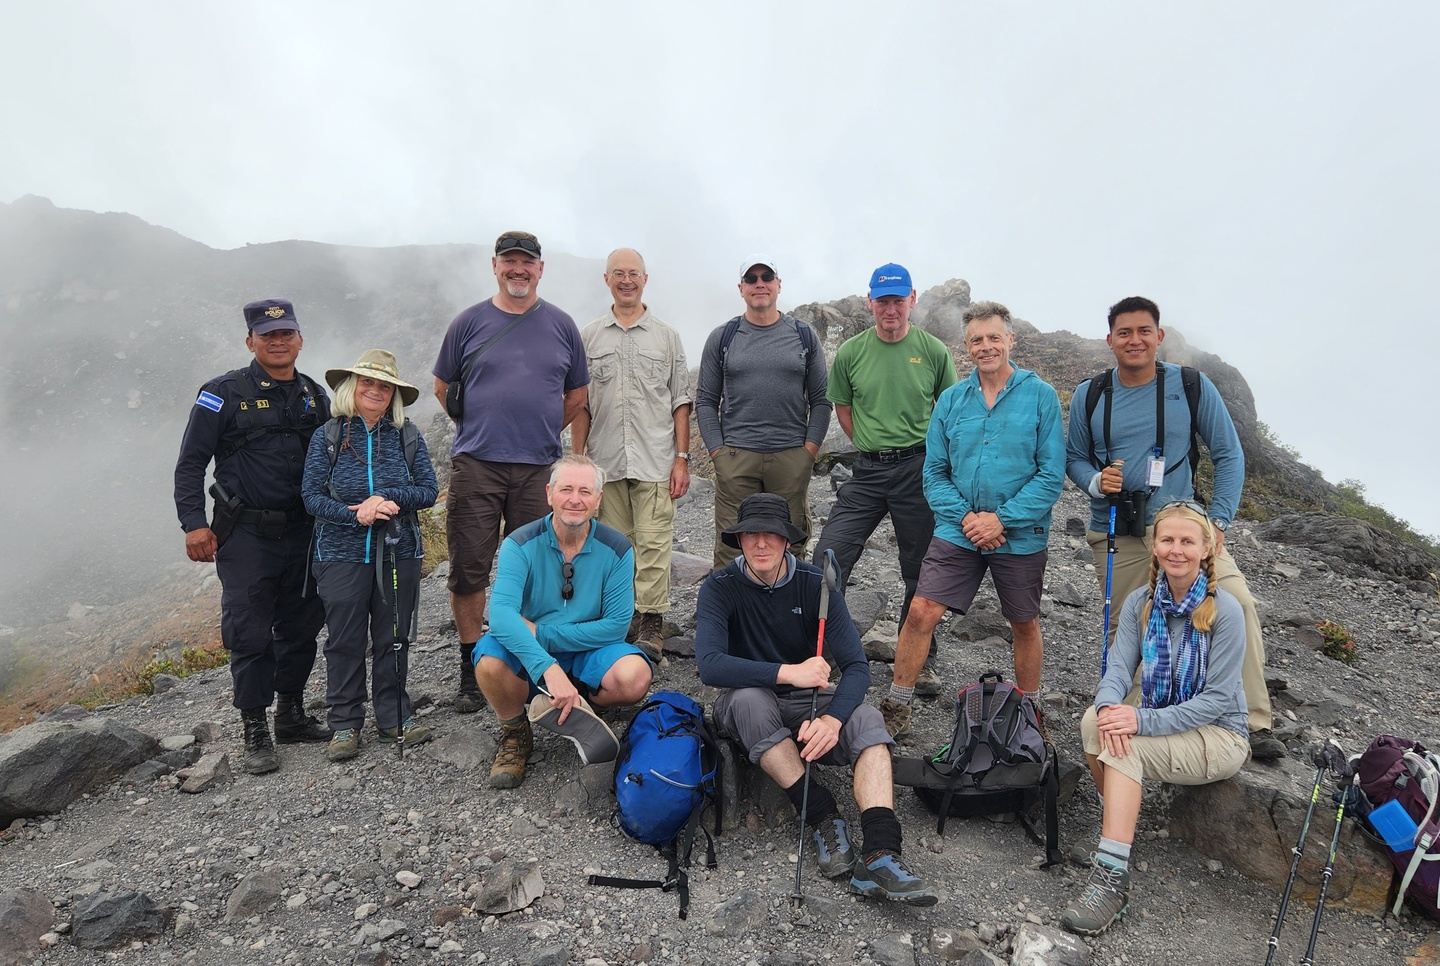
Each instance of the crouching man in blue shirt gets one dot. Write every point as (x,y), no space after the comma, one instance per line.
(757,622)
(563,597)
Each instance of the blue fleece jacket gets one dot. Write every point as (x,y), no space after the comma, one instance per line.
(1132,438)
(529,578)
(1007,459)
(369,462)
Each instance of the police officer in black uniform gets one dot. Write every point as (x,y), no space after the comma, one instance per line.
(256,424)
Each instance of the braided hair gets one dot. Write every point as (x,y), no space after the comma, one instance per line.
(1203,617)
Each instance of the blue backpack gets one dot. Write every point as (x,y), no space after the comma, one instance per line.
(666,775)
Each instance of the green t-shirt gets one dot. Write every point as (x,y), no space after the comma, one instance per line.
(890,387)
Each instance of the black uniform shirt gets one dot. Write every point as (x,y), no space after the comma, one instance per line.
(257,430)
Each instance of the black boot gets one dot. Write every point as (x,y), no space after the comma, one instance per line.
(469,699)
(293,725)
(260,754)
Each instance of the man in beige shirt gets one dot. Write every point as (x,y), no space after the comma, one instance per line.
(637,428)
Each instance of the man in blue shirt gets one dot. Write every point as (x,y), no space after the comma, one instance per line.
(564,594)
(1115,455)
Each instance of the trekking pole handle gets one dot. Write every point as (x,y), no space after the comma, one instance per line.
(1331,757)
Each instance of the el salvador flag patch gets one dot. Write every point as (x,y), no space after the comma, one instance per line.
(210,401)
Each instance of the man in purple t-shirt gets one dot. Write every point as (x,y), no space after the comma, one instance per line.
(521,365)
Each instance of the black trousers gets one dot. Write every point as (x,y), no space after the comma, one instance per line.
(361,619)
(267,626)
(878,488)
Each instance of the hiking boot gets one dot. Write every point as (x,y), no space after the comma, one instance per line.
(260,756)
(344,745)
(884,876)
(1041,725)
(650,635)
(517,741)
(928,684)
(1104,900)
(415,734)
(833,853)
(896,715)
(293,725)
(633,629)
(469,699)
(1081,855)
(1264,746)
(592,737)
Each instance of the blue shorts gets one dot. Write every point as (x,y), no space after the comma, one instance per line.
(588,667)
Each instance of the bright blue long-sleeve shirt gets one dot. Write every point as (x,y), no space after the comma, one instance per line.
(529,578)
(1132,438)
(1007,459)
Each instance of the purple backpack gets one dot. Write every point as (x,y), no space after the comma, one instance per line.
(1400,770)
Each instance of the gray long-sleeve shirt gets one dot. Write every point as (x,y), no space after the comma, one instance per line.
(1222,700)
(767,398)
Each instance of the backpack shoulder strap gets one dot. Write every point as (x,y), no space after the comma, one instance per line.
(1100,384)
(410,441)
(1190,379)
(727,337)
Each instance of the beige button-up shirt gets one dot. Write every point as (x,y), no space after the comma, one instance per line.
(638,378)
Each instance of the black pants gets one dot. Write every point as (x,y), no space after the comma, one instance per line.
(267,626)
(878,488)
(361,619)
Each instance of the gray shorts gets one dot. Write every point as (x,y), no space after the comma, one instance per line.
(760,719)
(951,576)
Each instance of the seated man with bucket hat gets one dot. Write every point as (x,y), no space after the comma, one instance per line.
(757,624)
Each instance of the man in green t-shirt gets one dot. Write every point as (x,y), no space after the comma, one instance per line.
(884,384)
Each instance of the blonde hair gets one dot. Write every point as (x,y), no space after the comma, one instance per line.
(344,402)
(1203,617)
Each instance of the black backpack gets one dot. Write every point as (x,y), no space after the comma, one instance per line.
(1102,384)
(996,762)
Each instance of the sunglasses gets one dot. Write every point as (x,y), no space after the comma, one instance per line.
(750,278)
(510,242)
(567,570)
(1187,504)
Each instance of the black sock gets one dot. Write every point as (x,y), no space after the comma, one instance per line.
(881,831)
(822,803)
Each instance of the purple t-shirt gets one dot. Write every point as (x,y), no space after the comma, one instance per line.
(515,394)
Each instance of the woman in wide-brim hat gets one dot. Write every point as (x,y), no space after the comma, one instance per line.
(362,489)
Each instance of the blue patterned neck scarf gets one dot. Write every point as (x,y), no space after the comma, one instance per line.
(1173,674)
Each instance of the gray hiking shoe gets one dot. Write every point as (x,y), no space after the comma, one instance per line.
(415,734)
(884,876)
(896,715)
(928,684)
(344,745)
(1105,899)
(833,852)
(592,737)
(1264,746)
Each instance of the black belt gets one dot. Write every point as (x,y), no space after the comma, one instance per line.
(253,516)
(894,455)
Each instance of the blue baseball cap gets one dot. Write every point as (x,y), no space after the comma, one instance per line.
(267,315)
(890,279)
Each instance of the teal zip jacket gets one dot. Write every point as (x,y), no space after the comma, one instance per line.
(1008,459)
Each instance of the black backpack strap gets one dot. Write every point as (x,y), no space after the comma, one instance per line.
(1100,384)
(1052,811)
(727,337)
(958,762)
(1160,407)
(468,362)
(1190,379)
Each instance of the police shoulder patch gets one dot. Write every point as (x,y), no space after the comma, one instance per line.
(209,401)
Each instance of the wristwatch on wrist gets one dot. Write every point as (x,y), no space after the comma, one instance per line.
(683,456)
(1219,524)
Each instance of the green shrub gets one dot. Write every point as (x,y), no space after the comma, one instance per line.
(1338,644)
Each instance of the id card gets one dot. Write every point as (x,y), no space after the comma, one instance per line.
(1157,471)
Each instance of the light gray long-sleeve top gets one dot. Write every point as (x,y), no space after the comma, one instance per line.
(766,399)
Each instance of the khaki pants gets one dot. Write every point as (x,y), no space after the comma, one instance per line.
(1206,754)
(1132,569)
(741,472)
(644,512)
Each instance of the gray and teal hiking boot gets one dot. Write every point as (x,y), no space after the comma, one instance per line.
(1105,899)
(883,876)
(344,745)
(833,852)
(260,757)
(415,734)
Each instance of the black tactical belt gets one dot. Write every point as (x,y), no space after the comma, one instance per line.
(894,455)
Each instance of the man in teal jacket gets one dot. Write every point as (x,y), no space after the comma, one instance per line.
(994,465)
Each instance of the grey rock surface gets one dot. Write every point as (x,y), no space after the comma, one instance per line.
(25,916)
(256,893)
(107,919)
(46,765)
(509,886)
(1046,946)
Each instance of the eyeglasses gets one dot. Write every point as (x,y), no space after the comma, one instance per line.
(1187,504)
(567,570)
(620,275)
(526,243)
(750,278)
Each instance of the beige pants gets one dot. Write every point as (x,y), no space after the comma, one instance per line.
(1132,568)
(741,472)
(644,512)
(1207,754)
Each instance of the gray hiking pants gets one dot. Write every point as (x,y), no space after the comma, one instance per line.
(760,719)
(361,621)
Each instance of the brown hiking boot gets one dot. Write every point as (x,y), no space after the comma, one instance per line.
(650,635)
(897,717)
(633,629)
(516,743)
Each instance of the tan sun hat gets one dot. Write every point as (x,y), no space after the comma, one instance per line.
(377,364)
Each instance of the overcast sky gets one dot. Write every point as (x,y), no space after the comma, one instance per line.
(1266,172)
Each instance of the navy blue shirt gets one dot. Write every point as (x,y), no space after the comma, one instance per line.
(257,430)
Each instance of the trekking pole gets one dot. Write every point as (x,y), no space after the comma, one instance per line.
(1346,789)
(829,576)
(392,538)
(1324,759)
(1109,579)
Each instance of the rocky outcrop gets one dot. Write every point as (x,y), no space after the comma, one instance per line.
(45,766)
(1351,546)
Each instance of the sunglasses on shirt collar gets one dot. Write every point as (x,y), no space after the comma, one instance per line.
(567,590)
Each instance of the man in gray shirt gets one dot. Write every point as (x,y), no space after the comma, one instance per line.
(761,404)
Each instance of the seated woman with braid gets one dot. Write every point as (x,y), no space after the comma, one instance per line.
(1185,723)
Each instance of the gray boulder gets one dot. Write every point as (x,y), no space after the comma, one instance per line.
(47,765)
(687,569)
(1352,547)
(258,892)
(509,886)
(1044,946)
(25,916)
(108,919)
(896,949)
